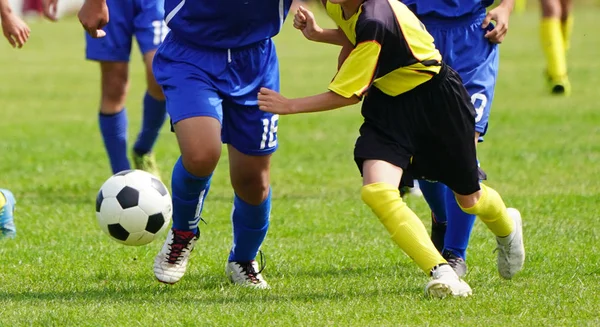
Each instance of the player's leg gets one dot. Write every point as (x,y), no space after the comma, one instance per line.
(553,44)
(505,223)
(381,194)
(113,115)
(195,110)
(460,172)
(566,22)
(250,178)
(7,208)
(150,31)
(112,52)
(476,61)
(381,160)
(451,227)
(251,135)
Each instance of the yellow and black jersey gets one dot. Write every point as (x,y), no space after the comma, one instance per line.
(392,49)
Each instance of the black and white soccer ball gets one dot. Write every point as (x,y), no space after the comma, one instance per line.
(133,207)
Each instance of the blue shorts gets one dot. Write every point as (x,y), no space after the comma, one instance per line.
(142,18)
(464,48)
(224,84)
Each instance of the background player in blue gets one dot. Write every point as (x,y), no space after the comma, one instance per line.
(211,66)
(468,43)
(128,18)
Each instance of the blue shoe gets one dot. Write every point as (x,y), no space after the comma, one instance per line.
(7,224)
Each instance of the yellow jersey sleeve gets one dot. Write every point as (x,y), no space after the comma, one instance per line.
(360,68)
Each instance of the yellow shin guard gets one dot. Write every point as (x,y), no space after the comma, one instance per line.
(403,225)
(491,210)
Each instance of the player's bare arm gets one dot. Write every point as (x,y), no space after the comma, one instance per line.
(304,20)
(14,28)
(271,101)
(93,16)
(501,16)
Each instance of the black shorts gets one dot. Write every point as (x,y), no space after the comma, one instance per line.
(428,131)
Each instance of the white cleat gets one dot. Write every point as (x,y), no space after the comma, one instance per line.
(171,262)
(245,274)
(511,251)
(444,282)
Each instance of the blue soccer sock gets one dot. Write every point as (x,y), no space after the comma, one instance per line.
(435,195)
(154,116)
(458,227)
(250,225)
(189,193)
(114,132)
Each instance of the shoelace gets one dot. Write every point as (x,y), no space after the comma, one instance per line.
(180,243)
(249,270)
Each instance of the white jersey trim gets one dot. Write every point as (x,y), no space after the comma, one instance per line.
(175,11)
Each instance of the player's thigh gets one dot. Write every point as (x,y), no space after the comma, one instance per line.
(114,81)
(154,89)
(379,171)
(194,106)
(200,143)
(116,45)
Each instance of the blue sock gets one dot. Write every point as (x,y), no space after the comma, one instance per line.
(458,228)
(155,113)
(189,193)
(250,225)
(114,133)
(435,195)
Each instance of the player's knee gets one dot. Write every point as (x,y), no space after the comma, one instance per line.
(114,87)
(468,201)
(252,186)
(201,162)
(154,90)
(377,195)
(551,8)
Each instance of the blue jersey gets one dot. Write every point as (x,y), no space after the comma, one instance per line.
(447,8)
(225,24)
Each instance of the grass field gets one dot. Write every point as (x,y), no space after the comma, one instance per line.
(330,262)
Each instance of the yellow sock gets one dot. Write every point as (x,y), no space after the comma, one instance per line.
(2,200)
(491,210)
(566,28)
(554,47)
(403,225)
(520,6)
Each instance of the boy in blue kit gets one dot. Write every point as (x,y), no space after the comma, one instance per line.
(128,18)
(468,43)
(211,66)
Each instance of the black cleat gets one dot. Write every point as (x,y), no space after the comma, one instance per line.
(457,263)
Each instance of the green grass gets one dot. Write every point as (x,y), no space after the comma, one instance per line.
(330,262)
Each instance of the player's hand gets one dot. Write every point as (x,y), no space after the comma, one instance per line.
(15,30)
(273,102)
(500,15)
(50,9)
(304,20)
(93,16)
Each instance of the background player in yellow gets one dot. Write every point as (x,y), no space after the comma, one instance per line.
(418,120)
(555,33)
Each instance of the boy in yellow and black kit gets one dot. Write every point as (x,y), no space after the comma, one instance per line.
(418,119)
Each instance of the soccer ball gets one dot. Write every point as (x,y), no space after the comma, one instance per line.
(133,207)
